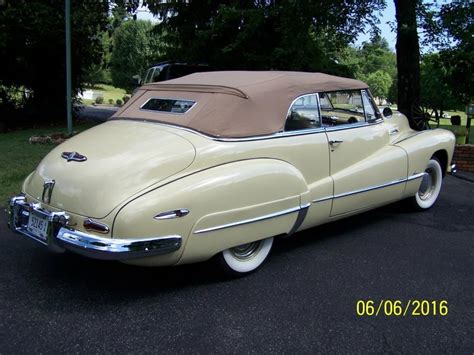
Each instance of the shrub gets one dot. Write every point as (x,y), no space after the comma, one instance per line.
(99,100)
(111,101)
(125,99)
(118,102)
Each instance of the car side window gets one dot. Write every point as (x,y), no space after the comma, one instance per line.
(147,76)
(341,108)
(303,114)
(369,108)
(156,75)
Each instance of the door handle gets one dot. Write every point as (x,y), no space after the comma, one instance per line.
(334,144)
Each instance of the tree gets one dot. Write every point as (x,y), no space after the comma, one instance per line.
(452,35)
(376,55)
(134,49)
(408,57)
(379,83)
(448,28)
(32,47)
(373,62)
(286,34)
(436,90)
(100,72)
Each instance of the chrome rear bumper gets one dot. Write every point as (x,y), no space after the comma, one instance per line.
(61,237)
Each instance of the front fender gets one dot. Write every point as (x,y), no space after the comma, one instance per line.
(421,147)
(223,202)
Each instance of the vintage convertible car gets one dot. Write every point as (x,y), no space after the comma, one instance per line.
(220,163)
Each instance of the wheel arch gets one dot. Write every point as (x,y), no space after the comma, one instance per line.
(421,147)
(442,156)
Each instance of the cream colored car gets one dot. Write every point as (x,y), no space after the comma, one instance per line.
(220,163)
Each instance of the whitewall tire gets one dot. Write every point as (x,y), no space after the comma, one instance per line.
(430,186)
(245,258)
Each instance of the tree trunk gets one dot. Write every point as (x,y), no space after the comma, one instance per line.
(408,57)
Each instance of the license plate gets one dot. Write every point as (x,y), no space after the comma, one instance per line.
(38,226)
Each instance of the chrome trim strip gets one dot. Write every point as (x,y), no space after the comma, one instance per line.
(257,138)
(296,133)
(323,199)
(181,212)
(117,249)
(375,187)
(353,125)
(251,220)
(370,188)
(300,219)
(410,136)
(299,97)
(416,176)
(242,139)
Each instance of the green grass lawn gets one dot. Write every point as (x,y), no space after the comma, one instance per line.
(108,92)
(18,158)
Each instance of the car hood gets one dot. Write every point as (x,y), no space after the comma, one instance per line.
(123,158)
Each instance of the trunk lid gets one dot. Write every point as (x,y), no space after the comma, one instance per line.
(123,158)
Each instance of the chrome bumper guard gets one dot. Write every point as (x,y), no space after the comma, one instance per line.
(61,237)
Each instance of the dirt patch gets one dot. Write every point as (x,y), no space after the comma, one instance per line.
(54,138)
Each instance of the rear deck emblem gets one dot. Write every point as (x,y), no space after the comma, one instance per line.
(73,156)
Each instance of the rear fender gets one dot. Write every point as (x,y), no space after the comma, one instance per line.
(228,205)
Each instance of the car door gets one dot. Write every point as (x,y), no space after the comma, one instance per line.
(367,171)
(310,155)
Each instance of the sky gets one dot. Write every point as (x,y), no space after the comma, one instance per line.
(388,15)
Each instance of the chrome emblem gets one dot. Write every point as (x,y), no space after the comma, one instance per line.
(48,187)
(73,156)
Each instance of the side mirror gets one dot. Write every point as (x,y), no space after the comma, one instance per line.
(387,112)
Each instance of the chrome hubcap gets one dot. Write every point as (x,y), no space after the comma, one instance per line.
(245,251)
(428,184)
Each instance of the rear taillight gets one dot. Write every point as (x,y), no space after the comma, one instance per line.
(91,225)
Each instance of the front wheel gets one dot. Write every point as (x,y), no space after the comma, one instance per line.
(430,186)
(245,258)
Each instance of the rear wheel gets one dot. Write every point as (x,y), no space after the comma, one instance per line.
(246,258)
(430,186)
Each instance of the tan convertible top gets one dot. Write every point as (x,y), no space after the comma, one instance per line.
(234,104)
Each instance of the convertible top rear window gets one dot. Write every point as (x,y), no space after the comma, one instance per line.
(168,105)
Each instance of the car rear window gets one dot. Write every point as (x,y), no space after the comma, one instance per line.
(168,105)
